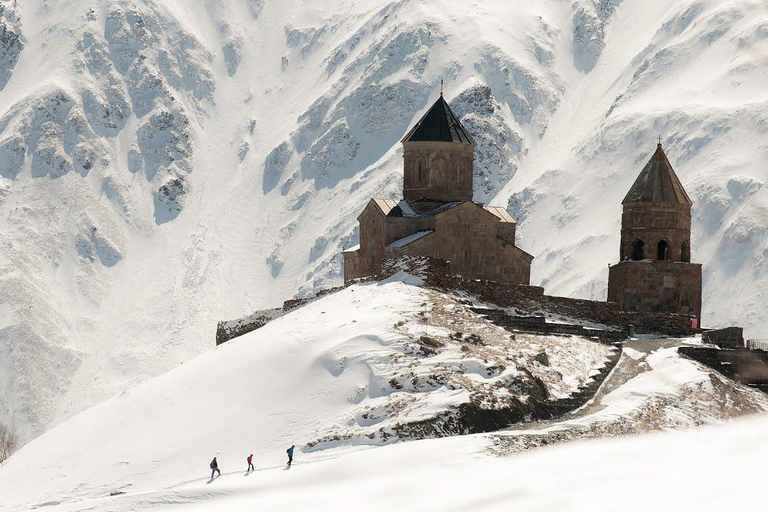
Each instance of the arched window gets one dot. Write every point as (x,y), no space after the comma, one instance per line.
(438,166)
(638,250)
(663,252)
(420,173)
(685,253)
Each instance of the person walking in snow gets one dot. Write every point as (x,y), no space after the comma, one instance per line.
(289,451)
(215,468)
(250,463)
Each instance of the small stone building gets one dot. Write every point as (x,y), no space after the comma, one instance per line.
(437,217)
(655,273)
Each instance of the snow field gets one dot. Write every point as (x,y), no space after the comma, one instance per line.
(343,370)
(320,377)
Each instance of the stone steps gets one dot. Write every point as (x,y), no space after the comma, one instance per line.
(585,393)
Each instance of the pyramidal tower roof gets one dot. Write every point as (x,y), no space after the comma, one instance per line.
(439,124)
(657,183)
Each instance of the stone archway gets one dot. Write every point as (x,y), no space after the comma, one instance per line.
(685,253)
(662,252)
(638,250)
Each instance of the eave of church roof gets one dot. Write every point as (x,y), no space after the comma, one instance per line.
(657,183)
(439,124)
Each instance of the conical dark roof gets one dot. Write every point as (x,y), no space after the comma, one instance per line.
(439,124)
(657,183)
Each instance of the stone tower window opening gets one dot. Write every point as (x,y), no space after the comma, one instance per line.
(638,250)
(663,251)
(685,253)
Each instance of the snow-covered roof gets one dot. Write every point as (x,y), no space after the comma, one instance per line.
(406,209)
(386,205)
(501,213)
(410,238)
(352,249)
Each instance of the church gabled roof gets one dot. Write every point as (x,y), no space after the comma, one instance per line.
(439,124)
(657,183)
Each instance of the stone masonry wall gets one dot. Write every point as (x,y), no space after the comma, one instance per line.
(531,300)
(373,239)
(229,329)
(652,224)
(467,238)
(352,266)
(437,170)
(656,287)
(528,299)
(728,337)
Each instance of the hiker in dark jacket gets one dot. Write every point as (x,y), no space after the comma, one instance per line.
(250,463)
(289,451)
(215,468)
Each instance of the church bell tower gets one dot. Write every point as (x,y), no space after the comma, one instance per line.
(655,273)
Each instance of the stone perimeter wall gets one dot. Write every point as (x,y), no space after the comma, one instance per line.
(728,337)
(530,299)
(230,329)
(750,367)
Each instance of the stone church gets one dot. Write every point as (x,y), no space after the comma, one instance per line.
(655,273)
(436,216)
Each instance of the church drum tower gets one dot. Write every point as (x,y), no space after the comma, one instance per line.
(655,273)
(438,157)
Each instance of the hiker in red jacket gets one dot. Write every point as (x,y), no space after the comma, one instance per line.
(250,464)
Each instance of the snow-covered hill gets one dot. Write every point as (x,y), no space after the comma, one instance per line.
(716,468)
(360,368)
(165,164)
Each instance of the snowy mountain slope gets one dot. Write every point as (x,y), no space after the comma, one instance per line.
(165,165)
(370,365)
(346,372)
(163,170)
(666,472)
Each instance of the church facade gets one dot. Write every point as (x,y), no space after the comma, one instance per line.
(655,273)
(436,216)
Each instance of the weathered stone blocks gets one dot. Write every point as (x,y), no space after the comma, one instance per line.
(656,286)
